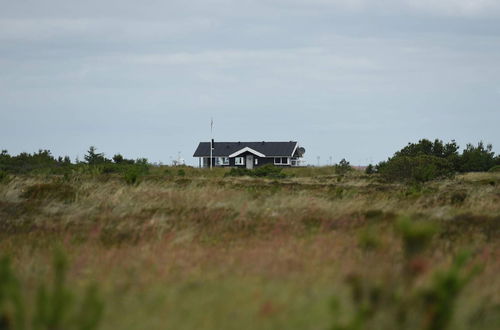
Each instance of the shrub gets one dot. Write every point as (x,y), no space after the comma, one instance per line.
(108,168)
(343,167)
(94,158)
(370,169)
(477,159)
(495,168)
(269,171)
(473,158)
(25,162)
(93,170)
(417,169)
(131,175)
(238,171)
(437,148)
(426,147)
(117,159)
(181,172)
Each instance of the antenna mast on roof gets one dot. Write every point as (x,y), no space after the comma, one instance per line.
(211,139)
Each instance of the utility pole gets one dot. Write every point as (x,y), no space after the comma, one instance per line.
(318,160)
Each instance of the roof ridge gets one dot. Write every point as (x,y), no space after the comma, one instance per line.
(250,141)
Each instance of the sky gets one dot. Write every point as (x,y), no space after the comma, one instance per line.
(353,79)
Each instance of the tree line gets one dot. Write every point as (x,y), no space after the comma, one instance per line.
(419,162)
(43,161)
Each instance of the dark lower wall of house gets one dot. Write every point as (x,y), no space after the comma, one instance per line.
(261,162)
(265,161)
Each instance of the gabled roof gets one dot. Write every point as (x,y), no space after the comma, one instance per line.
(247,149)
(226,149)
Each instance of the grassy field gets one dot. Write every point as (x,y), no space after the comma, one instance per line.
(197,250)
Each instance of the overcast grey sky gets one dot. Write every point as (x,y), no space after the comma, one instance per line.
(346,78)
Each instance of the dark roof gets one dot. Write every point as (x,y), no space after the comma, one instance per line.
(224,149)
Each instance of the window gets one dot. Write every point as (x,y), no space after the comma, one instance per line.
(281,161)
(256,161)
(222,161)
(239,161)
(295,161)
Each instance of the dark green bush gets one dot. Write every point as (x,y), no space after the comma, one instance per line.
(267,171)
(132,175)
(495,168)
(370,169)
(41,161)
(238,171)
(473,158)
(181,172)
(94,158)
(417,169)
(118,159)
(342,167)
(477,159)
(109,168)
(426,147)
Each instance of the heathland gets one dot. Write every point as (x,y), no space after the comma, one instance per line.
(183,248)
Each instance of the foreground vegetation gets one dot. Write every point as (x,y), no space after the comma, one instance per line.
(183,248)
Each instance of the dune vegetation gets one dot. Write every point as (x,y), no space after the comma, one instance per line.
(184,248)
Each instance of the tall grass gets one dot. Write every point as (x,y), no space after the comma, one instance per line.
(53,307)
(201,250)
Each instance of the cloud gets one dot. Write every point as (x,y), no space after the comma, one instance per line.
(231,58)
(173,9)
(469,8)
(39,29)
(404,65)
